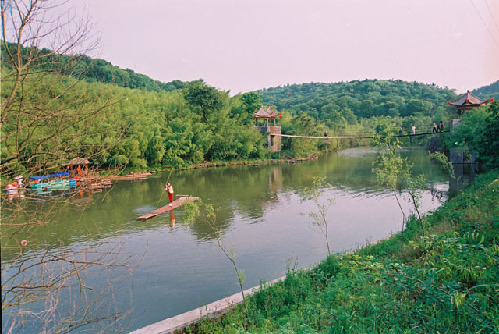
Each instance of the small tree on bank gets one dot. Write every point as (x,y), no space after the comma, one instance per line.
(205,212)
(394,172)
(319,217)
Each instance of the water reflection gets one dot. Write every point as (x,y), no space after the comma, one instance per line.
(172,219)
(247,191)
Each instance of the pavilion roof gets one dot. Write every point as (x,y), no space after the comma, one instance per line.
(265,114)
(469,99)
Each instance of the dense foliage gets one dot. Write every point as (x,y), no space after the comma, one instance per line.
(129,128)
(478,131)
(443,282)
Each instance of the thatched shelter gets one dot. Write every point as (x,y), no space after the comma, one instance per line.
(81,166)
(78,161)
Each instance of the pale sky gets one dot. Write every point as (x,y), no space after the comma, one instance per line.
(244,45)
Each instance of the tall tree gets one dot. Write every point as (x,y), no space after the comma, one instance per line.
(204,98)
(251,102)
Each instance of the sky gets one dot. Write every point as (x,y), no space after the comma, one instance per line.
(246,45)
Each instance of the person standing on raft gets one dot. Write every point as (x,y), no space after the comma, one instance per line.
(169,188)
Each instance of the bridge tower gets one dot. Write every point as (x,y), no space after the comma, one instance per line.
(269,118)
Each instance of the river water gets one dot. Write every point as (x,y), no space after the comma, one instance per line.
(173,266)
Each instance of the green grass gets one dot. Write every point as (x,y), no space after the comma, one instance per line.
(444,282)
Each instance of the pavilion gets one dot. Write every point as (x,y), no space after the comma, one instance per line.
(265,115)
(468,101)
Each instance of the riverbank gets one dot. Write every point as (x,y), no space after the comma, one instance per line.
(120,175)
(440,278)
(98,176)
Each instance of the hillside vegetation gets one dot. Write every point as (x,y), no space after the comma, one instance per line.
(90,70)
(349,101)
(122,120)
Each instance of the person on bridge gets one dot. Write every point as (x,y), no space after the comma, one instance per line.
(441,126)
(325,133)
(413,129)
(435,127)
(169,188)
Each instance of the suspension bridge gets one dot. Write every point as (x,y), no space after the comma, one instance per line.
(353,137)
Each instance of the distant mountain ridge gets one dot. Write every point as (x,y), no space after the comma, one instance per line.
(487,92)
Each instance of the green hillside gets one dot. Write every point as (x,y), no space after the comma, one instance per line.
(99,70)
(487,92)
(360,99)
(90,70)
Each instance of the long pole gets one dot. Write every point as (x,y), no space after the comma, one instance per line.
(167,180)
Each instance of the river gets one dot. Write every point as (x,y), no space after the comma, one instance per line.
(173,266)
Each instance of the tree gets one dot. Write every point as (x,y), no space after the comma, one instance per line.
(205,98)
(489,144)
(46,118)
(394,172)
(207,213)
(44,114)
(319,217)
(478,130)
(251,102)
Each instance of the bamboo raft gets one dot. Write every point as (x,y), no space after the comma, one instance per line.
(175,204)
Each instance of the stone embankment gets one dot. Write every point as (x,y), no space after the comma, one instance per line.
(216,308)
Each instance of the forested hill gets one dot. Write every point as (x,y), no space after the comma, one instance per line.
(94,70)
(99,70)
(487,92)
(359,99)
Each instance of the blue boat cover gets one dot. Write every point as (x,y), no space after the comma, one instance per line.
(58,174)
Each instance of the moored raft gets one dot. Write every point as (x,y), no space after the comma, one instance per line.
(175,204)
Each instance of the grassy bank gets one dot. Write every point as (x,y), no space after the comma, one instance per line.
(443,280)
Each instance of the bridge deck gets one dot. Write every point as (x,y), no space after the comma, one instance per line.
(351,137)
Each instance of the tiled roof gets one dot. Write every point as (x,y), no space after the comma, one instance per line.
(468,98)
(262,113)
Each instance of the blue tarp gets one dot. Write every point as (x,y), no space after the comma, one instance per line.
(59,174)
